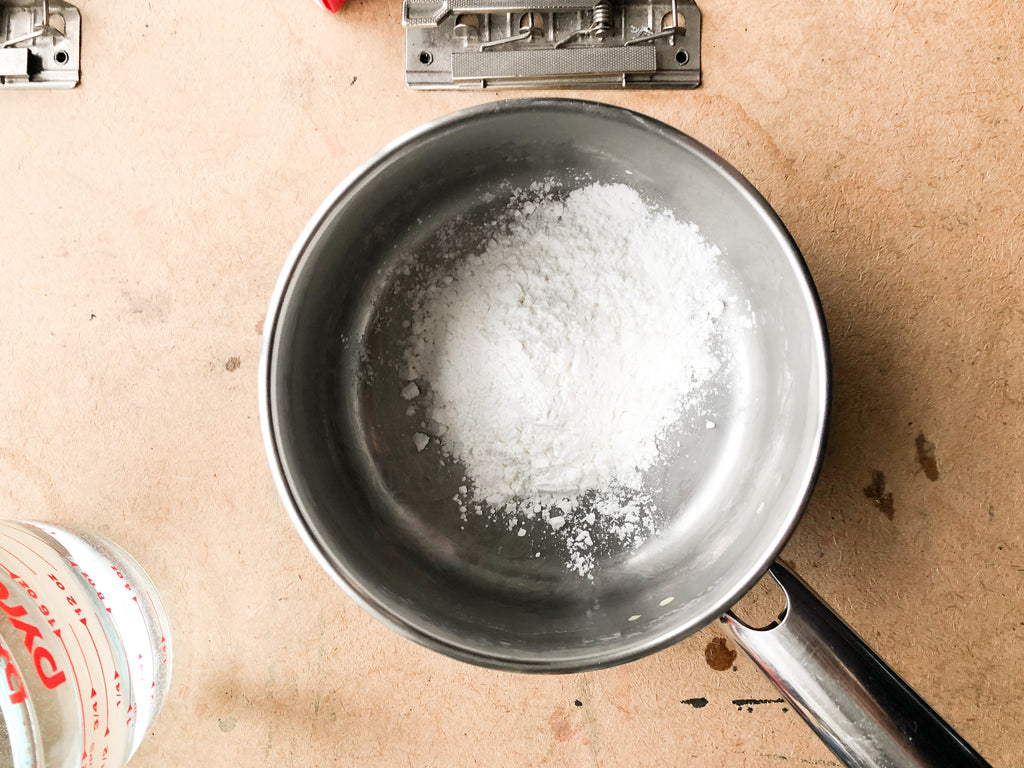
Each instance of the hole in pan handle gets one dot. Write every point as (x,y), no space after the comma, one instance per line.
(857,705)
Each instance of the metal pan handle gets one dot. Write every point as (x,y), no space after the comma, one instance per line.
(851,698)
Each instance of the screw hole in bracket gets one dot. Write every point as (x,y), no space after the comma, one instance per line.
(426,58)
(61,57)
(682,58)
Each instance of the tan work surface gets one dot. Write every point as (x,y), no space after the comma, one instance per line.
(146,215)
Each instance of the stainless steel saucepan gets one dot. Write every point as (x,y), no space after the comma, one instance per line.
(379,516)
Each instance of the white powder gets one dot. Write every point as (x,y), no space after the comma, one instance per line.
(552,362)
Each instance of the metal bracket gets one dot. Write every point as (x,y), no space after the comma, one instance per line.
(40,43)
(552,43)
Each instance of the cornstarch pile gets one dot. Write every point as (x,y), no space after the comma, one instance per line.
(552,363)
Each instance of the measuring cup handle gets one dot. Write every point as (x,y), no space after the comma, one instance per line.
(851,698)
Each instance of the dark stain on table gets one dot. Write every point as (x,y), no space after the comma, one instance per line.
(749,704)
(926,456)
(719,655)
(877,493)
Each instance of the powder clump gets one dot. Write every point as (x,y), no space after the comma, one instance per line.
(556,358)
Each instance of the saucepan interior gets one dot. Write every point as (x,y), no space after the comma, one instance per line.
(380,515)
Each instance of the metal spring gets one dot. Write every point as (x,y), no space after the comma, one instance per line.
(601,21)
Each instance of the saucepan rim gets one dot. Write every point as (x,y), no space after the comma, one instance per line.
(574,660)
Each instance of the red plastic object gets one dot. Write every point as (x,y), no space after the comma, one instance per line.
(332,5)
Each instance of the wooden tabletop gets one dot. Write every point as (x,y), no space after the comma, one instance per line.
(146,215)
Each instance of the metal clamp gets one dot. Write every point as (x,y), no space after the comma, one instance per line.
(552,43)
(40,43)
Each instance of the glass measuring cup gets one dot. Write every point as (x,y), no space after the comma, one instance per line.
(85,651)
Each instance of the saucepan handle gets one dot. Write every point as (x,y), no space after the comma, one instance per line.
(851,698)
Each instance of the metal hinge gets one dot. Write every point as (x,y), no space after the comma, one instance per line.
(40,41)
(552,43)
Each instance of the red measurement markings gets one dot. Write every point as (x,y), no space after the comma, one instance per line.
(43,560)
(81,650)
(89,745)
(165,657)
(78,684)
(127,585)
(22,562)
(103,676)
(92,584)
(57,583)
(145,620)
(43,610)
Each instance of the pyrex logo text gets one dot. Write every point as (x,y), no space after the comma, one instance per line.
(45,664)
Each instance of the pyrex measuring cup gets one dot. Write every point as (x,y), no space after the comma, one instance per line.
(85,653)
